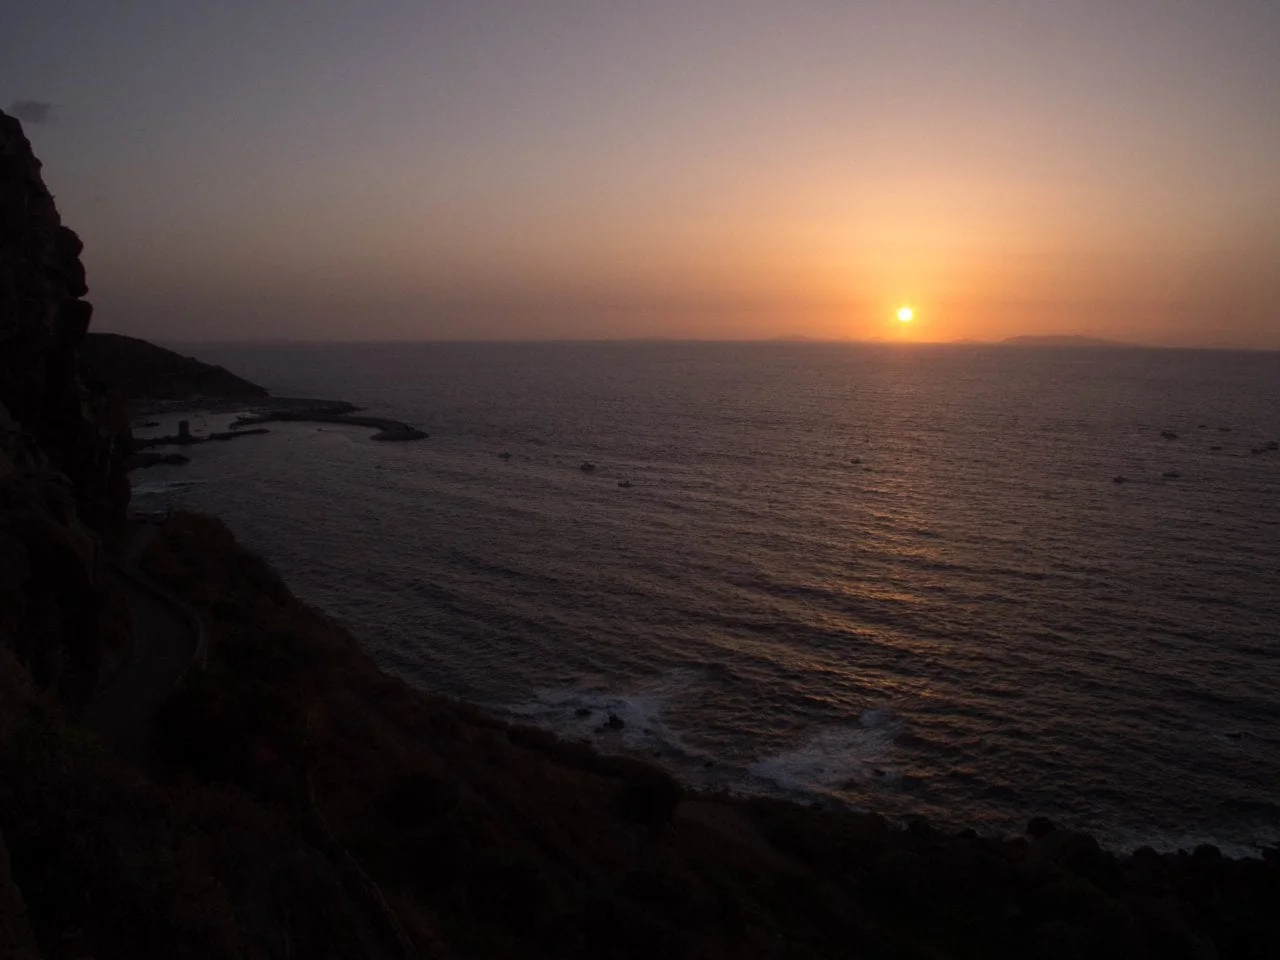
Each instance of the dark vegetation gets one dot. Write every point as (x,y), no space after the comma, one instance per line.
(492,840)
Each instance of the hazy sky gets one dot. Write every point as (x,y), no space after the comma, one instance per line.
(701,168)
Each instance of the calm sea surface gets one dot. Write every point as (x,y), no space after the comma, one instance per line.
(898,578)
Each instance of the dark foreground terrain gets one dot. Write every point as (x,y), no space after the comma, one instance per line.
(299,802)
(291,800)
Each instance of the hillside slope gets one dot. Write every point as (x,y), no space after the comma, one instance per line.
(143,371)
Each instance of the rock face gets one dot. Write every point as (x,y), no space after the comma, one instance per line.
(16,939)
(63,490)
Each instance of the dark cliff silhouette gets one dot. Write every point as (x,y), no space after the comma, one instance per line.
(63,490)
(140,370)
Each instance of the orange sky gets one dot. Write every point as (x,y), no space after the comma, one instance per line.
(701,169)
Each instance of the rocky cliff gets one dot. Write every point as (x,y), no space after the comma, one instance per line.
(43,321)
(63,489)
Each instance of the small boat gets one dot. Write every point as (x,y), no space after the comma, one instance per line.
(587,466)
(625,484)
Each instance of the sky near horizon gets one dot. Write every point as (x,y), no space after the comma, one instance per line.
(732,169)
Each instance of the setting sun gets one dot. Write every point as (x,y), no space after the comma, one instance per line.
(905,314)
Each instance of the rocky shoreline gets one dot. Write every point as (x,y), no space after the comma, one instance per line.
(155,381)
(145,408)
(547,837)
(184,438)
(280,410)
(394,431)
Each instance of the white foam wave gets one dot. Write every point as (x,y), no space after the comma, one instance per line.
(832,757)
(585,713)
(1129,841)
(158,488)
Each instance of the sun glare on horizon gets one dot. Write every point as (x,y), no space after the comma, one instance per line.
(905,314)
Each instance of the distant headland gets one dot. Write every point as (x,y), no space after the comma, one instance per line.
(1022,340)
(140,370)
(156,380)
(1062,340)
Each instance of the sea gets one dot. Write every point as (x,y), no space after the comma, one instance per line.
(970,583)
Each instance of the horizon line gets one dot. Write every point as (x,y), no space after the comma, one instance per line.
(1092,343)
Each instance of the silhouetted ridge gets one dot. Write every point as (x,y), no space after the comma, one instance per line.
(144,371)
(1061,340)
(63,489)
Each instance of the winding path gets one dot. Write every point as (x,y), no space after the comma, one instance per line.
(166,642)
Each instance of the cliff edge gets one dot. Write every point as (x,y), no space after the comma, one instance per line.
(63,491)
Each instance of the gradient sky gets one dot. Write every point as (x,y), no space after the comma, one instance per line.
(702,168)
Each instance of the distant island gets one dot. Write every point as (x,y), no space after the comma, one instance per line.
(806,338)
(1061,340)
(1023,340)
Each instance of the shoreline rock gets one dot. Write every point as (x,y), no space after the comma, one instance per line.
(391,431)
(140,461)
(144,408)
(181,439)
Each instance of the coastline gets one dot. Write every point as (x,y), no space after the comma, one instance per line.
(266,410)
(899,890)
(592,728)
(290,799)
(1170,834)
(393,431)
(249,417)
(141,408)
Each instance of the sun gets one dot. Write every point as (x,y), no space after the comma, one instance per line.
(906,314)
